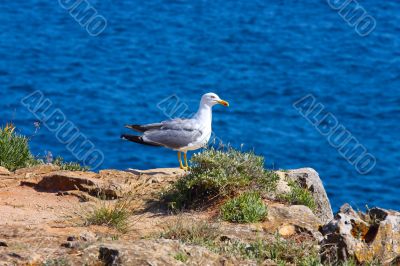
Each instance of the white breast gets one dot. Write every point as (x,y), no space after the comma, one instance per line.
(201,142)
(202,120)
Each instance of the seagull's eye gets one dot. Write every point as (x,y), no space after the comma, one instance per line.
(212,97)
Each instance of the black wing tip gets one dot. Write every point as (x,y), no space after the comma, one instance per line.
(131,137)
(137,139)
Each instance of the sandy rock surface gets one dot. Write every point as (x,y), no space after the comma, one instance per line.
(42,212)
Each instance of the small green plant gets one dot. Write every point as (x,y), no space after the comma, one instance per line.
(15,152)
(56,262)
(14,149)
(70,166)
(376,262)
(299,195)
(113,214)
(351,261)
(246,208)
(219,174)
(181,256)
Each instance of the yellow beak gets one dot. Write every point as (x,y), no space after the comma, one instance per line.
(224,103)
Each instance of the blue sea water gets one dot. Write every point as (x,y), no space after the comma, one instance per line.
(260,55)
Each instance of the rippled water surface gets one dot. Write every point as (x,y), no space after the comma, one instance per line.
(261,56)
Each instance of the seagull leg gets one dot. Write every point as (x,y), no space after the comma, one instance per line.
(186,162)
(180,160)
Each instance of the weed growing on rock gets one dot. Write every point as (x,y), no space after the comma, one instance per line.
(246,208)
(350,262)
(69,166)
(217,174)
(181,256)
(56,262)
(14,149)
(191,232)
(299,195)
(279,250)
(113,214)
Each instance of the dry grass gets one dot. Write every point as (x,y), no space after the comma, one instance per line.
(192,232)
(112,213)
(281,251)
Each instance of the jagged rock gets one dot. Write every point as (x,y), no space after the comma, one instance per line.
(309,178)
(67,181)
(374,235)
(4,171)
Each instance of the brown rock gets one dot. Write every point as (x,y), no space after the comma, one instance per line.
(287,230)
(37,170)
(4,171)
(110,184)
(298,216)
(67,181)
(371,236)
(152,252)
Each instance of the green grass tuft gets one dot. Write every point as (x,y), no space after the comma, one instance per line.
(299,196)
(113,214)
(181,256)
(246,208)
(14,150)
(56,262)
(220,174)
(70,166)
(281,251)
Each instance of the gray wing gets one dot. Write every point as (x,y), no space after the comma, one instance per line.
(169,124)
(144,128)
(174,134)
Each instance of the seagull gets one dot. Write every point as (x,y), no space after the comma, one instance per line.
(181,135)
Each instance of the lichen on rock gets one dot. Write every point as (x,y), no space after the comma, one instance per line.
(373,236)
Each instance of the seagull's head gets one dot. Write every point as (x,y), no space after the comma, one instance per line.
(212,99)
